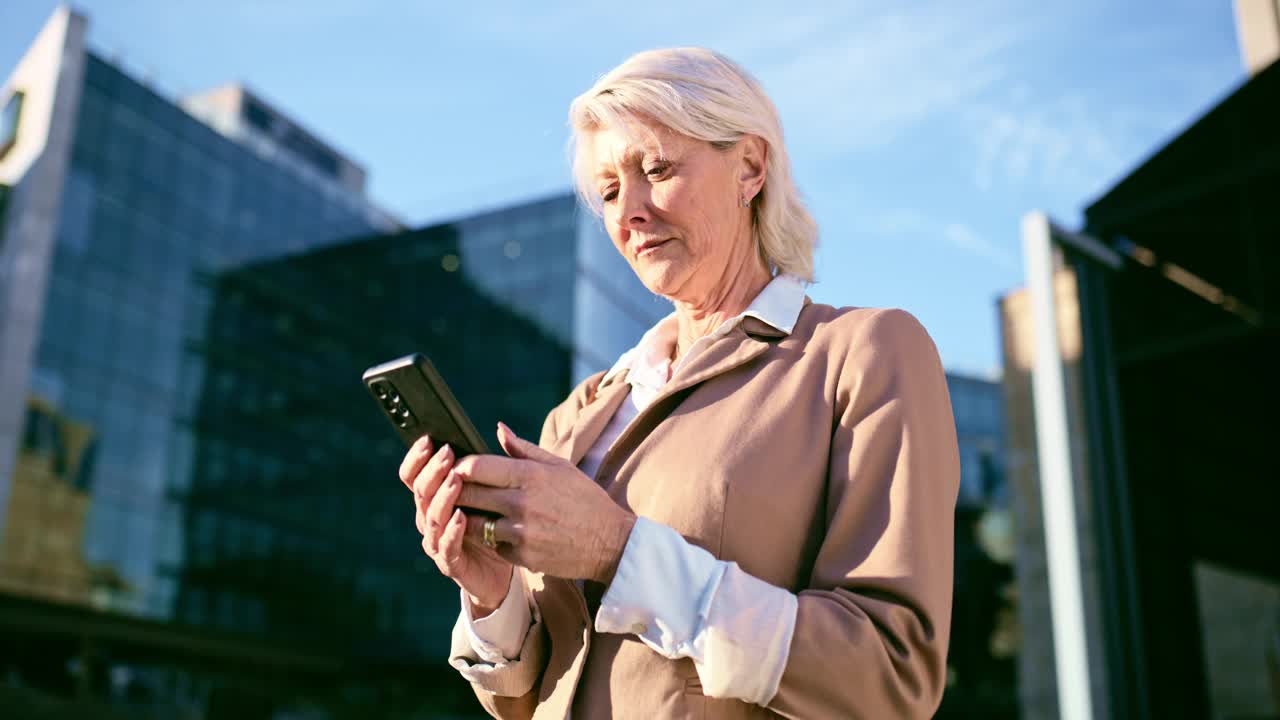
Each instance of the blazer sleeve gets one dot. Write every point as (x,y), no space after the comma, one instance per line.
(871,630)
(509,691)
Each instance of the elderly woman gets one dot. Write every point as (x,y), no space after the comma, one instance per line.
(750,514)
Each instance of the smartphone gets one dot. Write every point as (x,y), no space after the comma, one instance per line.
(417,401)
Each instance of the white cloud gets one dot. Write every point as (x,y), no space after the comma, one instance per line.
(858,81)
(1077,139)
(963,237)
(916,226)
(1062,142)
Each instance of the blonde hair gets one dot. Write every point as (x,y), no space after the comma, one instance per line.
(706,96)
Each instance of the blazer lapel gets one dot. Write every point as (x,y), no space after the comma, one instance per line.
(742,345)
(745,343)
(595,415)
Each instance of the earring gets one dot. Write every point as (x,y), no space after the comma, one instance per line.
(745,202)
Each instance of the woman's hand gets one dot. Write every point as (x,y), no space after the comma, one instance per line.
(477,569)
(555,519)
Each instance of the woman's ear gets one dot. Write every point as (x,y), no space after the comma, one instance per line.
(753,165)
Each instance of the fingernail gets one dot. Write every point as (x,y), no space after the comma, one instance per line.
(446,451)
(423,441)
(453,480)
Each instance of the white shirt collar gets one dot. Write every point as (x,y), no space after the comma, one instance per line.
(648,363)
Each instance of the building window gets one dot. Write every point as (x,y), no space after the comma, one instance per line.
(9,117)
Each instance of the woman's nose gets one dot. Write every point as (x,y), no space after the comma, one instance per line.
(633,206)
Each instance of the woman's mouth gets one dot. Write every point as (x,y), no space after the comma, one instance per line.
(649,246)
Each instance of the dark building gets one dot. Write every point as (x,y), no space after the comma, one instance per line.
(297,529)
(1158,406)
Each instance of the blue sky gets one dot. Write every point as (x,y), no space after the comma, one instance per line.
(920,132)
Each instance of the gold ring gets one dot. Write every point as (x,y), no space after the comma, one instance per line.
(489,539)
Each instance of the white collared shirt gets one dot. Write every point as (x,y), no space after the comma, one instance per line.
(676,597)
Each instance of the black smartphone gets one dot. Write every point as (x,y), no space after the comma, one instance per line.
(417,401)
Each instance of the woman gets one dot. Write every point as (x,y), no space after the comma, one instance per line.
(750,514)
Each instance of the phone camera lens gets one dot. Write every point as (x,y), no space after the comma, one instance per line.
(395,399)
(404,413)
(380,389)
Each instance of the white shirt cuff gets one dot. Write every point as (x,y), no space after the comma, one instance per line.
(498,637)
(683,602)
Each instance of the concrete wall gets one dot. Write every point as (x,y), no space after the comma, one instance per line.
(1258,28)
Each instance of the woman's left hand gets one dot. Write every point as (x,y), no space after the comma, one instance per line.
(555,519)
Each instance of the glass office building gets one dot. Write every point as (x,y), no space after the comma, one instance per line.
(978,407)
(151,200)
(295,525)
(198,504)
(982,657)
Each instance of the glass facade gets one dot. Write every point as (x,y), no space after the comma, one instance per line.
(198,459)
(284,468)
(523,258)
(978,406)
(613,309)
(154,200)
(982,657)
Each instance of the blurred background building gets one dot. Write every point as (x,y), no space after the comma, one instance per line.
(1163,313)
(982,658)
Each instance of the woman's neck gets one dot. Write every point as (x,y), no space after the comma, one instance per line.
(733,295)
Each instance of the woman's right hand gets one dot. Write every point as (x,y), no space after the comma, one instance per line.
(477,569)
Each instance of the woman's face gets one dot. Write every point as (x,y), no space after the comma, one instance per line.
(671,206)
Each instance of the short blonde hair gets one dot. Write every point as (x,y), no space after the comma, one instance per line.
(706,96)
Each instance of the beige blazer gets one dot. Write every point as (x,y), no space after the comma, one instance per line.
(823,462)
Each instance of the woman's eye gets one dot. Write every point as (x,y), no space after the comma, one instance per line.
(609,195)
(657,170)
